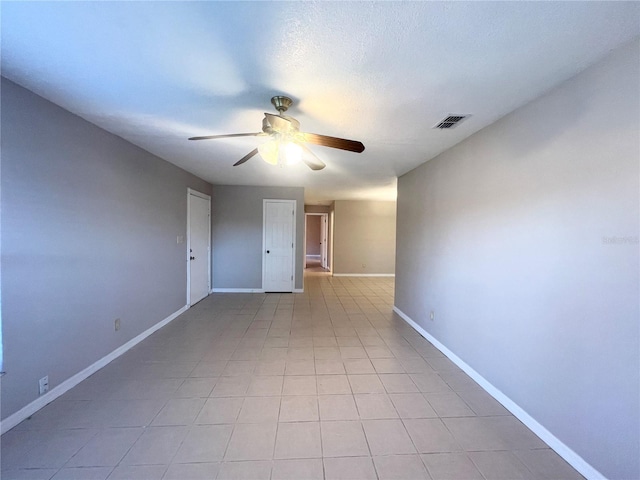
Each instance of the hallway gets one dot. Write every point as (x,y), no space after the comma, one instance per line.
(326,384)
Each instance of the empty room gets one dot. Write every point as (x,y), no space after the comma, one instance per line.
(319,240)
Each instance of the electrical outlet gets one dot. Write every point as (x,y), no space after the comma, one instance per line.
(43,385)
(432,316)
(364,265)
(180,239)
(117,324)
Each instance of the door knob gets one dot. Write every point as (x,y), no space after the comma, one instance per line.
(267,251)
(193,258)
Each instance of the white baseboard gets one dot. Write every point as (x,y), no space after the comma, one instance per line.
(237,290)
(364,274)
(249,290)
(25,412)
(575,460)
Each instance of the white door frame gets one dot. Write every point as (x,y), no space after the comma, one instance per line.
(195,193)
(264,240)
(324,235)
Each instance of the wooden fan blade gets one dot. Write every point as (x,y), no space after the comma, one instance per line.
(246,157)
(314,163)
(332,142)
(211,137)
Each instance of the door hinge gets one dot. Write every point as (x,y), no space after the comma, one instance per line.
(292,278)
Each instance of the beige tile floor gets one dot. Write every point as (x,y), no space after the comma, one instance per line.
(326,384)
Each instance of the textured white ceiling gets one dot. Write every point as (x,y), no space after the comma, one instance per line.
(383,73)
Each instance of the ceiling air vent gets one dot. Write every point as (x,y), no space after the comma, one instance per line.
(450,121)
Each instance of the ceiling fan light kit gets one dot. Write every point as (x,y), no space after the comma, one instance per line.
(287,143)
(279,152)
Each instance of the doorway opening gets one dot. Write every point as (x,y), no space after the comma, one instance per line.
(317,241)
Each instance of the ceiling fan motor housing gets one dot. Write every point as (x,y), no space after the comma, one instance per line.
(281,103)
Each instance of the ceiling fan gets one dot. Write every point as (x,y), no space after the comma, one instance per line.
(287,142)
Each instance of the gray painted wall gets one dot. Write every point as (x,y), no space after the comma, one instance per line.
(502,236)
(364,233)
(317,209)
(89,227)
(236,230)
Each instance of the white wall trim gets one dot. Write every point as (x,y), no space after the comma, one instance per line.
(237,290)
(575,460)
(248,290)
(364,274)
(28,410)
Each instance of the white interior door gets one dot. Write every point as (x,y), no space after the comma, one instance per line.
(324,234)
(199,247)
(279,245)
